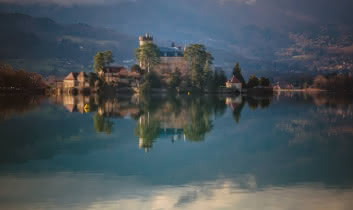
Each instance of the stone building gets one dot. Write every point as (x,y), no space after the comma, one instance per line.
(76,80)
(171,58)
(119,75)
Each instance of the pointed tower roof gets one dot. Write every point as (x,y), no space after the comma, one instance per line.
(234,80)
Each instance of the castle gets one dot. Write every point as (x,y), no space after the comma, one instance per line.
(171,58)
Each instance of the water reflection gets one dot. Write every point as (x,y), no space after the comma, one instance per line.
(178,118)
(291,151)
(14,105)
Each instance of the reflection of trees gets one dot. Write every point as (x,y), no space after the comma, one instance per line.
(147,130)
(254,103)
(200,121)
(237,111)
(10,105)
(102,125)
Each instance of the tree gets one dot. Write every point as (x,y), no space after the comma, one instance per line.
(98,62)
(102,59)
(253,82)
(222,79)
(199,60)
(321,82)
(150,80)
(237,73)
(148,55)
(108,57)
(265,82)
(174,79)
(20,79)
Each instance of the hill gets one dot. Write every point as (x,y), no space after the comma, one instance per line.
(43,45)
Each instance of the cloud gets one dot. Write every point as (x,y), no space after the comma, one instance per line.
(93,191)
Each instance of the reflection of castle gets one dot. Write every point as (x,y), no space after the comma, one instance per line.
(183,119)
(171,58)
(163,124)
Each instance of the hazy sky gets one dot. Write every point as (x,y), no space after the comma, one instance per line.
(310,10)
(192,20)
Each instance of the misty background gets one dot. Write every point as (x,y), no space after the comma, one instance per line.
(267,37)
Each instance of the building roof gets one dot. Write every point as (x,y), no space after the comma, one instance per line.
(82,74)
(76,75)
(123,73)
(113,69)
(71,76)
(234,80)
(171,52)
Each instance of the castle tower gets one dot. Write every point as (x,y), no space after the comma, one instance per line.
(145,39)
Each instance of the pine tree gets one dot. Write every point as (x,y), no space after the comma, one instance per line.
(237,73)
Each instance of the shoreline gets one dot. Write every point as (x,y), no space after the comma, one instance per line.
(300,90)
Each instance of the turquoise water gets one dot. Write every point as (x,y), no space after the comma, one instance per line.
(289,151)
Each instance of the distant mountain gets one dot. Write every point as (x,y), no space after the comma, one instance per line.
(24,38)
(291,45)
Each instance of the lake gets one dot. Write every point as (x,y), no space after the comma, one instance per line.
(288,151)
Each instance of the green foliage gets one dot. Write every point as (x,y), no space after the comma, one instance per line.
(153,79)
(253,82)
(150,80)
(222,79)
(237,73)
(145,88)
(148,55)
(147,130)
(216,80)
(102,59)
(200,121)
(200,61)
(108,57)
(174,80)
(265,82)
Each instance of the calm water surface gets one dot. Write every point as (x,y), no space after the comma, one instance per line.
(289,151)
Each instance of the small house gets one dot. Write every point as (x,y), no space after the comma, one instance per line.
(234,83)
(76,80)
(119,75)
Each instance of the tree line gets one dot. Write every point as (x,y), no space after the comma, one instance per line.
(19,80)
(334,82)
(202,75)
